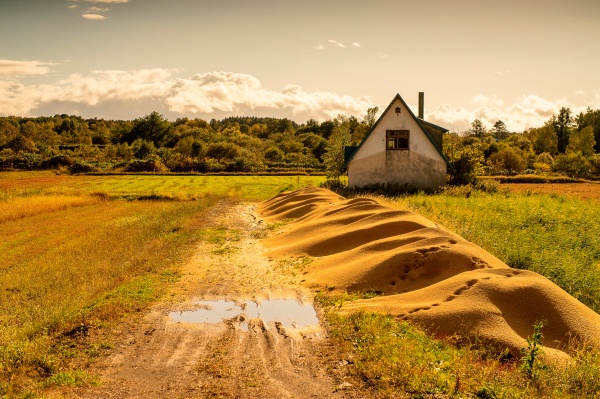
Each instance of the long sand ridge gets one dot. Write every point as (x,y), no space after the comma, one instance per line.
(426,273)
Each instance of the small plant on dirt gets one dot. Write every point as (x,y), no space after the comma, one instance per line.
(532,352)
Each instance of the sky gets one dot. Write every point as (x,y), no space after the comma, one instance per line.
(515,61)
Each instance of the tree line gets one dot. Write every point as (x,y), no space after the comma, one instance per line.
(565,144)
(153,143)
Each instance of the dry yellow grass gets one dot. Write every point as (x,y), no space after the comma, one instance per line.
(28,206)
(69,262)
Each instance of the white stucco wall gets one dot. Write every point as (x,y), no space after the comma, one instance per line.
(421,166)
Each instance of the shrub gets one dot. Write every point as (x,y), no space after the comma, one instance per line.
(81,167)
(594,161)
(212,165)
(142,149)
(57,161)
(546,158)
(465,165)
(22,161)
(508,160)
(223,151)
(274,154)
(146,165)
(573,164)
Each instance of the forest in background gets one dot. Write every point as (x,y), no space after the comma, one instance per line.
(566,144)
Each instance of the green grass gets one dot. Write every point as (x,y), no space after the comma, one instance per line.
(161,187)
(398,360)
(556,236)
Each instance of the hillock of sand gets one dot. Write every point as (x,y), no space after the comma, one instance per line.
(425,273)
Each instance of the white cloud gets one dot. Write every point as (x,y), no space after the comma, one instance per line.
(241,93)
(485,101)
(526,111)
(596,102)
(221,93)
(20,68)
(73,6)
(335,43)
(93,17)
(95,9)
(202,94)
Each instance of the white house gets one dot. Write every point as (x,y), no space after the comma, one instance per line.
(399,149)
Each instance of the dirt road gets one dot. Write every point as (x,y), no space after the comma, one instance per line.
(242,357)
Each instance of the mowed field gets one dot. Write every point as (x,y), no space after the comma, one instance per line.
(82,253)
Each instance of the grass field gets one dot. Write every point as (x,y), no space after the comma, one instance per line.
(82,253)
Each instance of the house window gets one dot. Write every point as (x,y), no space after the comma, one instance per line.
(397,139)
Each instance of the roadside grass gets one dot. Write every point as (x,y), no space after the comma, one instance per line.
(399,360)
(89,252)
(553,235)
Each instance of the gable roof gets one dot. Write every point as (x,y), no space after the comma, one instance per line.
(420,122)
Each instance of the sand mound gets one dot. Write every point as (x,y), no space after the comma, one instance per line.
(427,274)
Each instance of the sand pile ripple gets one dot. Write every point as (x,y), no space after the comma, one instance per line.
(427,274)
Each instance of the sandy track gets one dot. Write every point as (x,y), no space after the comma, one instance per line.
(162,359)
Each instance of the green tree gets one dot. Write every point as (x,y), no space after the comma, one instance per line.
(153,127)
(590,118)
(360,130)
(544,139)
(8,131)
(142,149)
(543,163)
(315,143)
(370,118)
(334,150)
(499,131)
(465,161)
(563,123)
(582,141)
(507,160)
(573,164)
(274,154)
(595,164)
(184,146)
(477,128)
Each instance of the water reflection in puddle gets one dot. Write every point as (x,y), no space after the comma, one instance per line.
(288,312)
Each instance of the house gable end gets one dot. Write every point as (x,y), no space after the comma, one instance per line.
(422,125)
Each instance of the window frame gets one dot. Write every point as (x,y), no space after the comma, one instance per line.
(399,138)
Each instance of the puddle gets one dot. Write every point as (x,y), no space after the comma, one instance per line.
(288,312)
